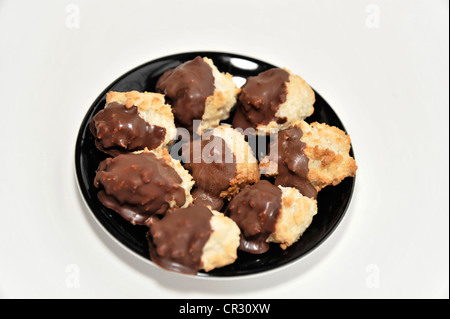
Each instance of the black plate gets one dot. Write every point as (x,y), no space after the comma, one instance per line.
(332,201)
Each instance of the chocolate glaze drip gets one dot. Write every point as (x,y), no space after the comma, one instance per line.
(292,162)
(255,210)
(260,99)
(138,186)
(118,129)
(212,165)
(186,89)
(176,241)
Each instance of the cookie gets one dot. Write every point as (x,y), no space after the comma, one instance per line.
(141,184)
(273,100)
(194,238)
(310,157)
(266,213)
(197,90)
(132,121)
(221,163)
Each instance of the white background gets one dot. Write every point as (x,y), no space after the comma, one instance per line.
(381,65)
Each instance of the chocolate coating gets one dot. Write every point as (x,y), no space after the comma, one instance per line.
(138,185)
(118,129)
(176,241)
(260,99)
(186,89)
(292,162)
(212,165)
(255,210)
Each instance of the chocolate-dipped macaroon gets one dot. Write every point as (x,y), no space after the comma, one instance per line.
(273,99)
(132,121)
(142,184)
(196,90)
(221,163)
(266,213)
(310,157)
(189,239)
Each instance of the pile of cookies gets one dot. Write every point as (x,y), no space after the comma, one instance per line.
(217,197)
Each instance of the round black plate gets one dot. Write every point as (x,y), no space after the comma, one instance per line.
(332,201)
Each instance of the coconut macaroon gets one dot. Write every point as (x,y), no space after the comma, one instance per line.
(266,213)
(197,90)
(221,164)
(132,121)
(272,100)
(310,157)
(297,212)
(190,239)
(142,184)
